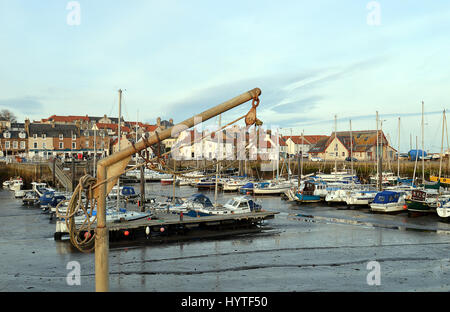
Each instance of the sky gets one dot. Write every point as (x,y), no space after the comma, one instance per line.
(173,59)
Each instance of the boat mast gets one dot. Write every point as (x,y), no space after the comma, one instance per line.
(376,158)
(118,144)
(423,158)
(442,146)
(217,166)
(398,151)
(301,159)
(336,146)
(415,163)
(351,150)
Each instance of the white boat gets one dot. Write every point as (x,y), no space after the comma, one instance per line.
(20,193)
(271,188)
(337,196)
(16,184)
(360,197)
(389,201)
(233,185)
(386,178)
(443,209)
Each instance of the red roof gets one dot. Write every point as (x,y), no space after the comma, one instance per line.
(308,139)
(69,118)
(112,127)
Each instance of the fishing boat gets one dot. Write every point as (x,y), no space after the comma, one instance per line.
(388,201)
(306,193)
(425,200)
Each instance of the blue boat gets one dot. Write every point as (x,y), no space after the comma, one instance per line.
(247,188)
(306,194)
(50,199)
(196,202)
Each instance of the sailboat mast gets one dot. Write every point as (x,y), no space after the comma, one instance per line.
(415,163)
(351,150)
(118,144)
(217,166)
(336,144)
(423,149)
(377,156)
(398,151)
(442,146)
(301,167)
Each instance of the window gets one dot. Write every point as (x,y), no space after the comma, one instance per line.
(61,137)
(15,145)
(35,145)
(74,145)
(7,145)
(44,135)
(343,153)
(22,145)
(35,136)
(7,135)
(61,145)
(44,145)
(87,143)
(74,136)
(22,135)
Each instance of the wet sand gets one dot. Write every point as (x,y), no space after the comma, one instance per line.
(305,248)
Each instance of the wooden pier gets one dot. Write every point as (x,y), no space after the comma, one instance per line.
(168,226)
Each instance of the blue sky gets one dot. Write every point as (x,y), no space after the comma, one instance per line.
(311,59)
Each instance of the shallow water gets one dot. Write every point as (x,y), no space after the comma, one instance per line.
(293,254)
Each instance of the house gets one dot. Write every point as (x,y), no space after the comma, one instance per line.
(364,143)
(14,140)
(297,143)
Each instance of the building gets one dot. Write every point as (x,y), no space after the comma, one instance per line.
(364,144)
(297,143)
(14,140)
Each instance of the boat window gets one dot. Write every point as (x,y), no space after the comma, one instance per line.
(243,205)
(391,198)
(381,198)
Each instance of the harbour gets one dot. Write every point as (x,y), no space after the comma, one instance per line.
(310,248)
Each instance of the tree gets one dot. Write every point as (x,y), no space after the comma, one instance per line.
(7,115)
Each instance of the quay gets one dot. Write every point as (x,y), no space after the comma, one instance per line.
(167,226)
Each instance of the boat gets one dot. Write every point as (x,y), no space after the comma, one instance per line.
(271,188)
(388,201)
(232,185)
(242,204)
(16,184)
(387,178)
(30,198)
(20,193)
(360,197)
(206,184)
(112,215)
(126,192)
(337,195)
(443,209)
(246,188)
(167,181)
(306,193)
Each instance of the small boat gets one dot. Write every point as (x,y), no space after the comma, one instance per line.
(7,183)
(167,181)
(20,193)
(16,184)
(387,178)
(271,188)
(30,198)
(232,185)
(306,193)
(247,188)
(443,209)
(242,204)
(126,192)
(360,197)
(423,201)
(206,184)
(337,195)
(388,201)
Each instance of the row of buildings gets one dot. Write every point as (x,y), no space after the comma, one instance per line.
(83,136)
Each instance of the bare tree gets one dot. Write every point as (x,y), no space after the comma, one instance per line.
(7,115)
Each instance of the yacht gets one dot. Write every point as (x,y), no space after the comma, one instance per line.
(388,201)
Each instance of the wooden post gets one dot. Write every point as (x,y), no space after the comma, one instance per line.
(54,174)
(101,238)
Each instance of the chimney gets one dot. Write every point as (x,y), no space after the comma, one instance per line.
(53,124)
(27,126)
(158,121)
(171,121)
